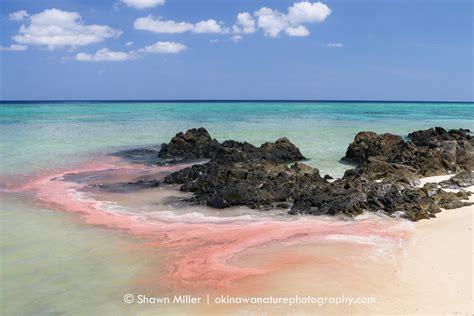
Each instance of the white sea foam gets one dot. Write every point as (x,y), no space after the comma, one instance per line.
(198,217)
(366,240)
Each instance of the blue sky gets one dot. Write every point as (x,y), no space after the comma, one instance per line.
(202,49)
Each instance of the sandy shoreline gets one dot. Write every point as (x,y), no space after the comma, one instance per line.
(439,262)
(411,268)
(430,275)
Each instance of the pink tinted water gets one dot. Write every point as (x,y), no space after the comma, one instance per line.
(208,251)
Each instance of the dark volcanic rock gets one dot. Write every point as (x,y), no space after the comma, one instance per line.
(429,152)
(451,200)
(281,151)
(146,156)
(256,184)
(122,187)
(388,170)
(370,144)
(196,143)
(376,169)
(461,180)
(240,173)
(433,136)
(352,196)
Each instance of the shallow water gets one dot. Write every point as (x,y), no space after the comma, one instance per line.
(59,133)
(67,248)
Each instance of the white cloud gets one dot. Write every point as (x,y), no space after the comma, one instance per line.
(56,28)
(13,47)
(143,4)
(18,16)
(150,23)
(273,22)
(105,54)
(334,45)
(307,12)
(163,48)
(245,23)
(209,26)
(156,25)
(236,38)
(129,43)
(299,30)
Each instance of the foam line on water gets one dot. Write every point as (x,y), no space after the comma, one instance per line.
(202,248)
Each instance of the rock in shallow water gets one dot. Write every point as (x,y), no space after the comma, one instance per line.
(123,187)
(196,143)
(147,156)
(385,179)
(430,152)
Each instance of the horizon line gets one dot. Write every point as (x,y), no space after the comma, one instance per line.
(226,101)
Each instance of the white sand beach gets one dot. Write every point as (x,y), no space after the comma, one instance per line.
(430,275)
(439,262)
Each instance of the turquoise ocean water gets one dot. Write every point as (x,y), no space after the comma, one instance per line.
(39,135)
(51,263)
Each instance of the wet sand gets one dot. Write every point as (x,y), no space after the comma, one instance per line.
(423,267)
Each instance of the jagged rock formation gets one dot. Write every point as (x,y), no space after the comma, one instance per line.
(430,152)
(384,180)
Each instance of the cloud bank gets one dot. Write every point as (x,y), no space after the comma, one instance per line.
(273,22)
(56,28)
(245,23)
(13,48)
(106,54)
(143,4)
(18,16)
(156,25)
